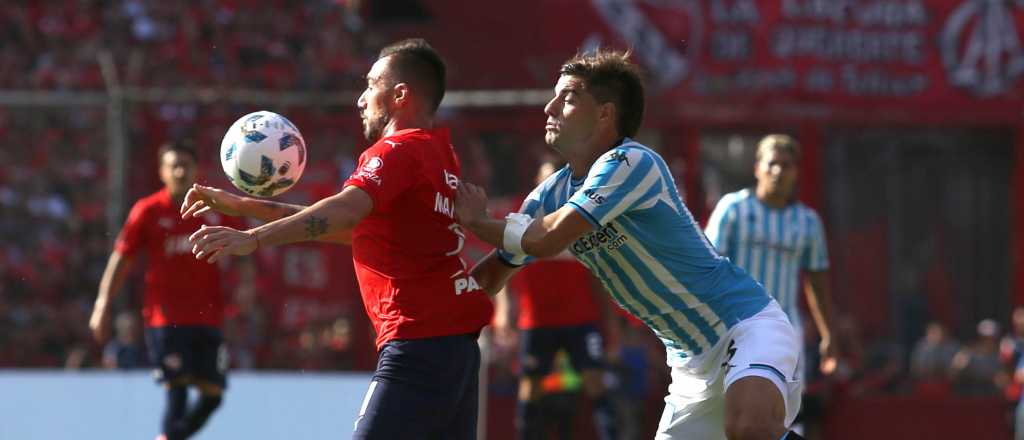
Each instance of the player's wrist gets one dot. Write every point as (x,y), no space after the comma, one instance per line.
(516,225)
(255,237)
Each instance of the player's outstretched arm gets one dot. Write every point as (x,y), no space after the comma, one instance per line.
(492,274)
(331,216)
(118,267)
(544,237)
(202,199)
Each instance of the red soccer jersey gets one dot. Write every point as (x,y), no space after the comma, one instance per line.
(406,252)
(555,291)
(179,289)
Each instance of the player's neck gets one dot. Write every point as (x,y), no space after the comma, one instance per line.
(772,199)
(407,121)
(582,162)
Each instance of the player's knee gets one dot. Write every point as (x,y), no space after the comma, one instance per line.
(529,388)
(210,401)
(209,389)
(752,426)
(749,429)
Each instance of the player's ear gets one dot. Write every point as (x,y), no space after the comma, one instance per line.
(608,113)
(401,96)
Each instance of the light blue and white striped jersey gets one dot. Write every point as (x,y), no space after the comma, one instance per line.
(648,251)
(772,245)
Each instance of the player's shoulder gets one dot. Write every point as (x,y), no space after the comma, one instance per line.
(152,201)
(735,198)
(630,153)
(807,212)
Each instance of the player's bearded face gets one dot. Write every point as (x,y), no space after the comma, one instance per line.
(374,122)
(375,102)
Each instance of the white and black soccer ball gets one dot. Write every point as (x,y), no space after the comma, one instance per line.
(263,154)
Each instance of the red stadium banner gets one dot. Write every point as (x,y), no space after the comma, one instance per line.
(738,60)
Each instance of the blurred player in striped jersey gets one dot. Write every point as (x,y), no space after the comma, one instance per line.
(775,238)
(615,206)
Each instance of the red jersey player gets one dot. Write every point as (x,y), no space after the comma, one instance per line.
(397,210)
(559,309)
(183,303)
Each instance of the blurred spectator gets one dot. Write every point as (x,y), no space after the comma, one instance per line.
(933,355)
(976,370)
(125,350)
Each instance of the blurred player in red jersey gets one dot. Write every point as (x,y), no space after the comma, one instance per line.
(183,301)
(559,309)
(397,210)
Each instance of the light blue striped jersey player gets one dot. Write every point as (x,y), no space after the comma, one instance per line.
(773,245)
(648,251)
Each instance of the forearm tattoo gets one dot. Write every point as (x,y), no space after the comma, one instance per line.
(316,226)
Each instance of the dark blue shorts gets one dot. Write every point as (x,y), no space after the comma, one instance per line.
(537,351)
(423,389)
(189,352)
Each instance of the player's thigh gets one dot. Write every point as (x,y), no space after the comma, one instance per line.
(537,350)
(210,358)
(696,415)
(585,347)
(169,353)
(586,352)
(392,410)
(767,350)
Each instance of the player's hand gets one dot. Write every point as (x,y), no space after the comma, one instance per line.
(470,203)
(214,242)
(99,325)
(201,199)
(829,357)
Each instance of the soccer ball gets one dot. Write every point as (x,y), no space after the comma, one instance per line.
(263,154)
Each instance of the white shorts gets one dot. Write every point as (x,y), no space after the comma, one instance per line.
(764,345)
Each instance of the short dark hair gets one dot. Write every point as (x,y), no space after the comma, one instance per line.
(181,147)
(610,77)
(415,62)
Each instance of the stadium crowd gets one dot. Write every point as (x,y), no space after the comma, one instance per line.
(53,193)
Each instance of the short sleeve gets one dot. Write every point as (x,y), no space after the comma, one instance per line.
(621,180)
(815,258)
(722,225)
(384,172)
(132,235)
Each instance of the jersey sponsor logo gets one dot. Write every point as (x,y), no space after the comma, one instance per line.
(450,179)
(466,284)
(608,237)
(444,205)
(594,196)
(165,223)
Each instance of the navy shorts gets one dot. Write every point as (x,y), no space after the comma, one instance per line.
(423,389)
(188,352)
(539,345)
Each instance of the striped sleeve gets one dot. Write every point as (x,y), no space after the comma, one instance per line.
(722,225)
(621,180)
(815,255)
